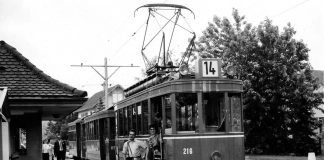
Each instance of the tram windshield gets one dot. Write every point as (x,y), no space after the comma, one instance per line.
(213,103)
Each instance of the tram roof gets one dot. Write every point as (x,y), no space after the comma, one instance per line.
(93,100)
(101,114)
(74,122)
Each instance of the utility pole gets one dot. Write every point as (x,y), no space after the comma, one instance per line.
(106,77)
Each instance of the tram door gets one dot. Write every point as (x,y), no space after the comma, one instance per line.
(108,139)
(102,138)
(156,112)
(78,140)
(157,118)
(111,135)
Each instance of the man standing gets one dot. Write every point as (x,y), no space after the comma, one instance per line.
(60,149)
(134,149)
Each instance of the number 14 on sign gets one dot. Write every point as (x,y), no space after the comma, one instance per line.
(209,68)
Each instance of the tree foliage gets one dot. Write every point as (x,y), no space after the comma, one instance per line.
(277,80)
(57,128)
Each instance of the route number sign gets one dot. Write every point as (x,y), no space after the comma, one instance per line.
(208,68)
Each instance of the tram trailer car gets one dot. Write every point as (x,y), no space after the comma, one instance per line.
(199,118)
(98,136)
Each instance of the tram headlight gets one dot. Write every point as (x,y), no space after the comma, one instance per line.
(215,155)
(184,69)
(230,70)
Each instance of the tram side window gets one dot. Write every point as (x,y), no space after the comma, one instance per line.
(235,103)
(168,125)
(72,136)
(156,111)
(91,130)
(134,118)
(139,118)
(145,116)
(129,118)
(125,121)
(120,122)
(186,111)
(214,111)
(87,130)
(96,129)
(72,133)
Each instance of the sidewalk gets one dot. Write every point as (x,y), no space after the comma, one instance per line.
(273,157)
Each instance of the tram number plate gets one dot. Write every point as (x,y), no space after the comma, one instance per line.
(209,68)
(187,150)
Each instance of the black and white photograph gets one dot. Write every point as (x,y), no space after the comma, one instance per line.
(161,80)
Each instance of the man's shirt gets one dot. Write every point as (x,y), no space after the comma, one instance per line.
(134,148)
(61,145)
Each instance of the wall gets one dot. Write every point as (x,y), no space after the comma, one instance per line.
(5,140)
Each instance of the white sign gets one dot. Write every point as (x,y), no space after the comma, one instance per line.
(209,68)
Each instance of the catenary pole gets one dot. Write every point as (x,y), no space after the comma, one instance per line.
(105,77)
(106,83)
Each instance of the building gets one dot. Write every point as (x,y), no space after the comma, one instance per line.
(28,96)
(96,102)
(319,114)
(320,75)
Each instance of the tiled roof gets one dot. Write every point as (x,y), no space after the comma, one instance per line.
(23,79)
(92,101)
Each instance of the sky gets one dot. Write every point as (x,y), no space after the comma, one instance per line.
(55,34)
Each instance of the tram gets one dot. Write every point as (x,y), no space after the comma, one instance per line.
(93,137)
(198,111)
(201,116)
(97,136)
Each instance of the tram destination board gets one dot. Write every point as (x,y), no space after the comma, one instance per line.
(208,68)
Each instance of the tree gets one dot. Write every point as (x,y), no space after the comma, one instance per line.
(277,81)
(57,128)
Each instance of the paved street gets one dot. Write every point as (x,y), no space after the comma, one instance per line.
(272,157)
